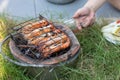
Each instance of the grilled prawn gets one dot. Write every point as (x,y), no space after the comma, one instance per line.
(29,28)
(45,37)
(39,31)
(46,52)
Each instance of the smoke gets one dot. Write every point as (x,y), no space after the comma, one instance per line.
(3,5)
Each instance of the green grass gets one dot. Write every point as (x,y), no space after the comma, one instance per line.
(98,60)
(9,71)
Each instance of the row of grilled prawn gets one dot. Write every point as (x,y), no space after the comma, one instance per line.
(46,37)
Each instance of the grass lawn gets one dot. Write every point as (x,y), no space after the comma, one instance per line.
(99,59)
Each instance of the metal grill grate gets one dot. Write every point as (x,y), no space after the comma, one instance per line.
(53,39)
(31,56)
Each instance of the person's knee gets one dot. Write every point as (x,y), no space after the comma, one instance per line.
(115,3)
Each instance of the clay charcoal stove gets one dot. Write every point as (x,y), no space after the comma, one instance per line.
(41,42)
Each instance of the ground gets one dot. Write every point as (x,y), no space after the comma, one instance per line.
(98,59)
(24,8)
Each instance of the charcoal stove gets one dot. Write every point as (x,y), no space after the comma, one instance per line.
(65,56)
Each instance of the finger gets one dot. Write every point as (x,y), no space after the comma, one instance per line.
(78,25)
(79,22)
(86,23)
(89,20)
(92,21)
(92,16)
(77,14)
(81,12)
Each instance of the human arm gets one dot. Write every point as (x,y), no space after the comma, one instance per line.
(94,4)
(85,16)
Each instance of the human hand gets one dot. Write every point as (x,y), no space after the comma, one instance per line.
(84,17)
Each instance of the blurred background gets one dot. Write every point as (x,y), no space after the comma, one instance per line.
(26,8)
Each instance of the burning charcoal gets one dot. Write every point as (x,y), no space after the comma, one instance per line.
(18,38)
(38,55)
(27,51)
(23,51)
